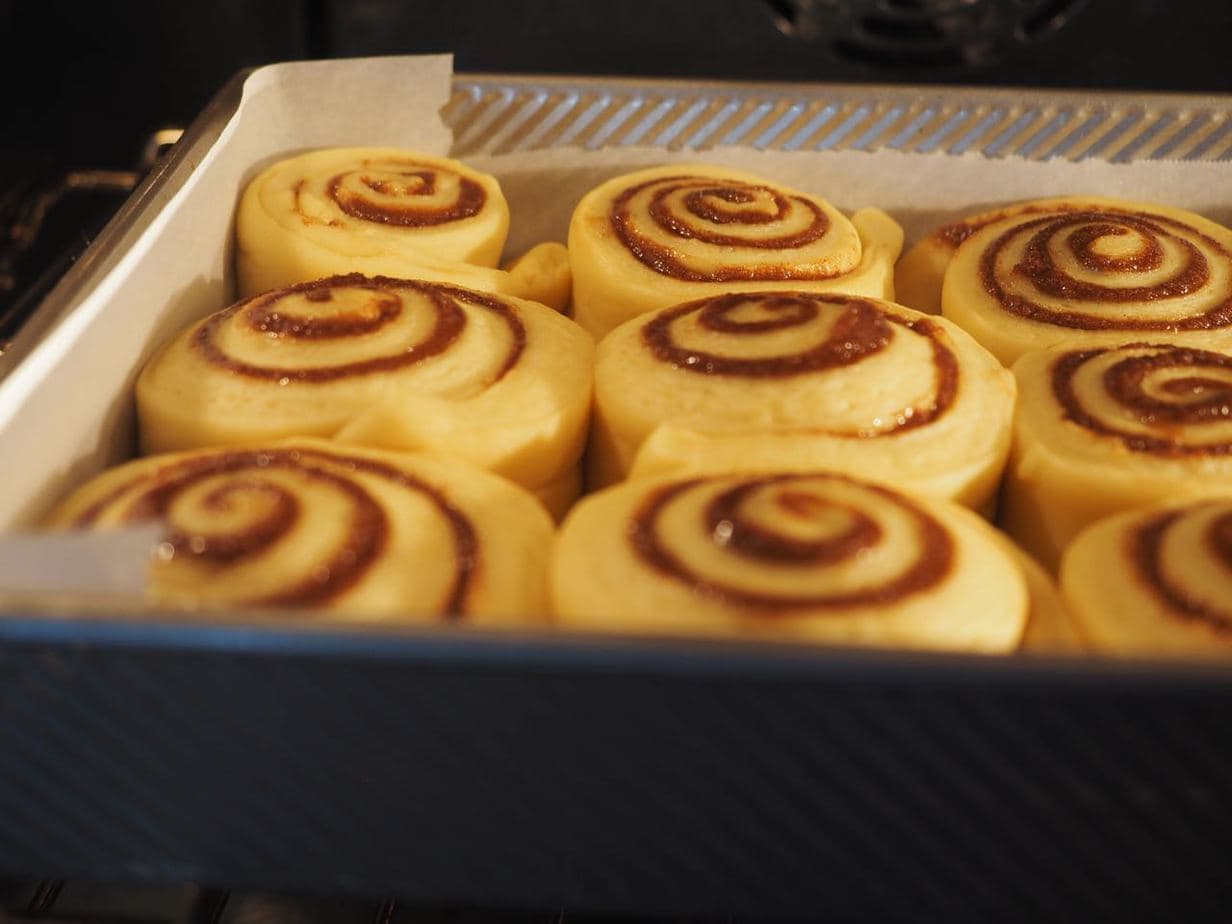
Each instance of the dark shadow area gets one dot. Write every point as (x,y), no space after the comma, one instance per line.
(88,82)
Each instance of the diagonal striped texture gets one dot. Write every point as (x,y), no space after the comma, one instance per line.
(494,116)
(600,779)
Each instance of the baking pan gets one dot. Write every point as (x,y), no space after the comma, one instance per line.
(544,770)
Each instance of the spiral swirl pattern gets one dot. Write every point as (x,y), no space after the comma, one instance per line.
(232,513)
(1155,580)
(1165,400)
(838,331)
(394,363)
(668,235)
(800,554)
(1172,549)
(686,226)
(1076,269)
(1089,271)
(379,316)
(393,191)
(770,380)
(386,212)
(812,535)
(1101,430)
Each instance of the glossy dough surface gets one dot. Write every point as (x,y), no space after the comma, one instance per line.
(1156,581)
(801,380)
(811,556)
(402,364)
(1102,430)
(385,212)
(308,523)
(667,235)
(1080,270)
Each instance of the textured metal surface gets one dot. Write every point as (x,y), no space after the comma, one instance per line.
(754,787)
(502,114)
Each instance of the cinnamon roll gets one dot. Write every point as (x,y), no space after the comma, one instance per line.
(1089,271)
(1155,581)
(386,212)
(775,380)
(307,523)
(814,556)
(1101,430)
(659,237)
(402,364)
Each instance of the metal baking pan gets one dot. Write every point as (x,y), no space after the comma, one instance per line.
(544,770)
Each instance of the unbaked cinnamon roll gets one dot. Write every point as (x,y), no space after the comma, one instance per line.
(667,235)
(809,556)
(402,364)
(307,523)
(1156,580)
(386,212)
(1101,430)
(1083,271)
(802,380)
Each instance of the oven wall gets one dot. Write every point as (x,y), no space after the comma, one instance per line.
(86,82)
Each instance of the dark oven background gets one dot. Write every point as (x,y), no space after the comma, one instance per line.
(86,82)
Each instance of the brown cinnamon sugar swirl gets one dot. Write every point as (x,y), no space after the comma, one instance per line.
(403,364)
(1102,430)
(667,235)
(1086,270)
(386,212)
(307,523)
(784,379)
(1156,580)
(817,556)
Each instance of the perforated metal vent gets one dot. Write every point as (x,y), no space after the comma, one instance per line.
(924,33)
